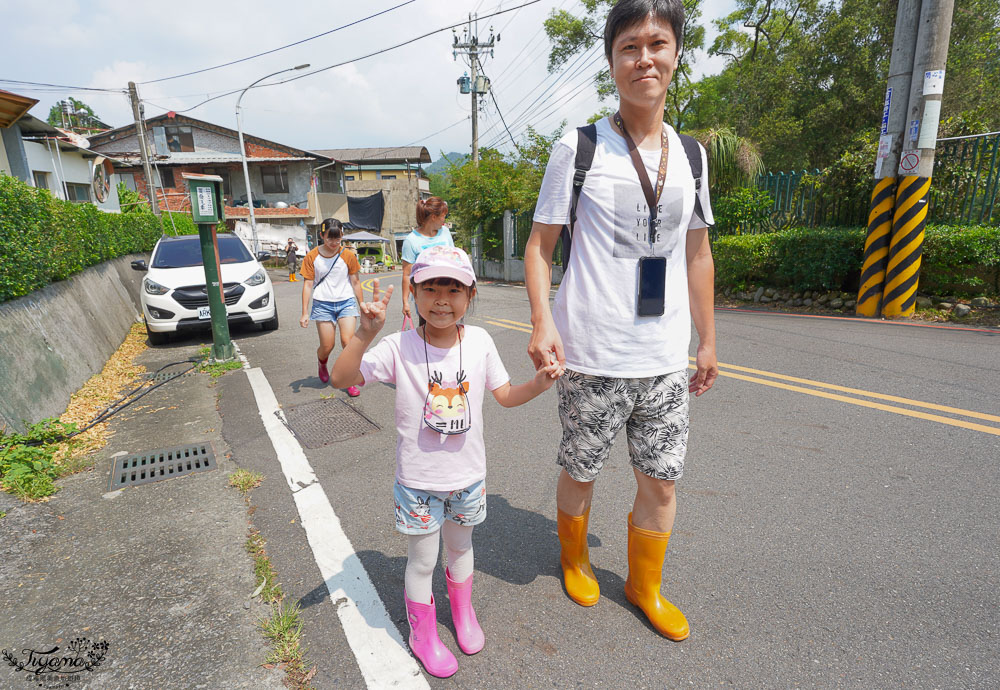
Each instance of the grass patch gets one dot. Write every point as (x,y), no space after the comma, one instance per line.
(212,367)
(284,625)
(245,480)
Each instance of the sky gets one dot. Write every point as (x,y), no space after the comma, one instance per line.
(399,97)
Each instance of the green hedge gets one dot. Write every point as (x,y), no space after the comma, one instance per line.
(956,260)
(44,239)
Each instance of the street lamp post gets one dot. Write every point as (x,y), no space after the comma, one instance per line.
(243,152)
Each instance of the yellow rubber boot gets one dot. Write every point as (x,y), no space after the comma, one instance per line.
(581,585)
(646,550)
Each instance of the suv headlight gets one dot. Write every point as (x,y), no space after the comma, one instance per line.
(257,278)
(153,288)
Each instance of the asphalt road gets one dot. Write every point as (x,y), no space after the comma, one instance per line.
(826,536)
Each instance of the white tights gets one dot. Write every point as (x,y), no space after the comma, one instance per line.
(422,557)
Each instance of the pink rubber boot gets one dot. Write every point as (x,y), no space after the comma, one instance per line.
(470,635)
(424,641)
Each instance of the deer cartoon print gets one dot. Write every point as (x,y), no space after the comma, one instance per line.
(446,409)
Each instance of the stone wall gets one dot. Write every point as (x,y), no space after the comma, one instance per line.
(58,337)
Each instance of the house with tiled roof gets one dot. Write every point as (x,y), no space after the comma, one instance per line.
(281,176)
(397,172)
(51,158)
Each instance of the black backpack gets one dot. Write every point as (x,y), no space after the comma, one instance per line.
(586,147)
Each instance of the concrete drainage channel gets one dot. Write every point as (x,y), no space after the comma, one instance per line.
(157,465)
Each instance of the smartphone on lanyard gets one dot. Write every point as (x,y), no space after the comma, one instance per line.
(652,286)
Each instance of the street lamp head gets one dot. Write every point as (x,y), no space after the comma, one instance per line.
(302,66)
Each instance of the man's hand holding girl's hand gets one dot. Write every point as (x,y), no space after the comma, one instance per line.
(547,375)
(373,313)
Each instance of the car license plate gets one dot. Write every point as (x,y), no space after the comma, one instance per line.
(204,313)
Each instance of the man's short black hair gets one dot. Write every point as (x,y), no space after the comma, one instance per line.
(627,13)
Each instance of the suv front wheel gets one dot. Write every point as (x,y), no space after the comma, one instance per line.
(156,338)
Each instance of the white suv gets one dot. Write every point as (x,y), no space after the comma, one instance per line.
(173,292)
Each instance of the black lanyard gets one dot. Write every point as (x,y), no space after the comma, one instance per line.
(652,197)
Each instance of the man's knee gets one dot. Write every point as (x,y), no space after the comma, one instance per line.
(659,491)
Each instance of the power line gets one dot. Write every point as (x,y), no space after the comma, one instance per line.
(358,59)
(538,118)
(536,51)
(559,76)
(275,50)
(60,86)
(499,112)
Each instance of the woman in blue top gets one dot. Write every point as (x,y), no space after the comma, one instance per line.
(430,232)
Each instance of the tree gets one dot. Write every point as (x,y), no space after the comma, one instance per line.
(80,116)
(480,194)
(805,77)
(570,34)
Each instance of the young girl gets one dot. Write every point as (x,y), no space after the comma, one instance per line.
(430,232)
(330,278)
(440,371)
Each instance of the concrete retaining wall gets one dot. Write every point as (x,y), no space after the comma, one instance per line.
(56,338)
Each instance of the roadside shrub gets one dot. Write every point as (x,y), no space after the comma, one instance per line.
(44,239)
(956,260)
(745,210)
(964,261)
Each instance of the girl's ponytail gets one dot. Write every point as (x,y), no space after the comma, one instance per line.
(434,206)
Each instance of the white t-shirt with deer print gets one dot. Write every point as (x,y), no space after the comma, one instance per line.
(443,388)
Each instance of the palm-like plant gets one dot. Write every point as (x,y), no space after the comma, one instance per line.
(733,161)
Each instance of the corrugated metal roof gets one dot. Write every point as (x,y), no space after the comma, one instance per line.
(414,154)
(214,157)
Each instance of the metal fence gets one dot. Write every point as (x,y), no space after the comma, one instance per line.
(964,190)
(966,180)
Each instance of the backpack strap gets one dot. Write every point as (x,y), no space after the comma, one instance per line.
(586,147)
(693,150)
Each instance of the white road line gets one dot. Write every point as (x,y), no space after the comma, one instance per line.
(377,645)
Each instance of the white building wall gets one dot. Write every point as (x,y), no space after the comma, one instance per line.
(4,163)
(75,167)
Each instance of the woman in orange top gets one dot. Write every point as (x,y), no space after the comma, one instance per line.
(330,279)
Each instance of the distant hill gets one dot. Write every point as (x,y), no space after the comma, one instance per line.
(440,166)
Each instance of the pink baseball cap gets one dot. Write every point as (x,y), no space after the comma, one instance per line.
(443,262)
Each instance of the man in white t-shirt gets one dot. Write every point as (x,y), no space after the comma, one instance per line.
(620,322)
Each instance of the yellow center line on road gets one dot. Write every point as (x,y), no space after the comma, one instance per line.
(369,284)
(832,396)
(503,325)
(866,403)
(867,394)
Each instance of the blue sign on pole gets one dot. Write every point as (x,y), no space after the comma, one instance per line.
(885,110)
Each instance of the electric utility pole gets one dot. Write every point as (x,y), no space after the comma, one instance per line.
(478,84)
(904,43)
(905,160)
(140,132)
(916,163)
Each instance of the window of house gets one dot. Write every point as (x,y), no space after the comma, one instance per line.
(274,179)
(227,186)
(78,192)
(329,181)
(128,179)
(166,177)
(41,179)
(179,138)
(349,178)
(388,177)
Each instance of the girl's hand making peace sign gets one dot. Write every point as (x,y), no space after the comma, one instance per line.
(373,313)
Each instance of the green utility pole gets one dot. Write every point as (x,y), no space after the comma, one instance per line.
(207,212)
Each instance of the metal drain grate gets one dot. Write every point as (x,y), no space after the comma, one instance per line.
(165,463)
(165,376)
(322,422)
